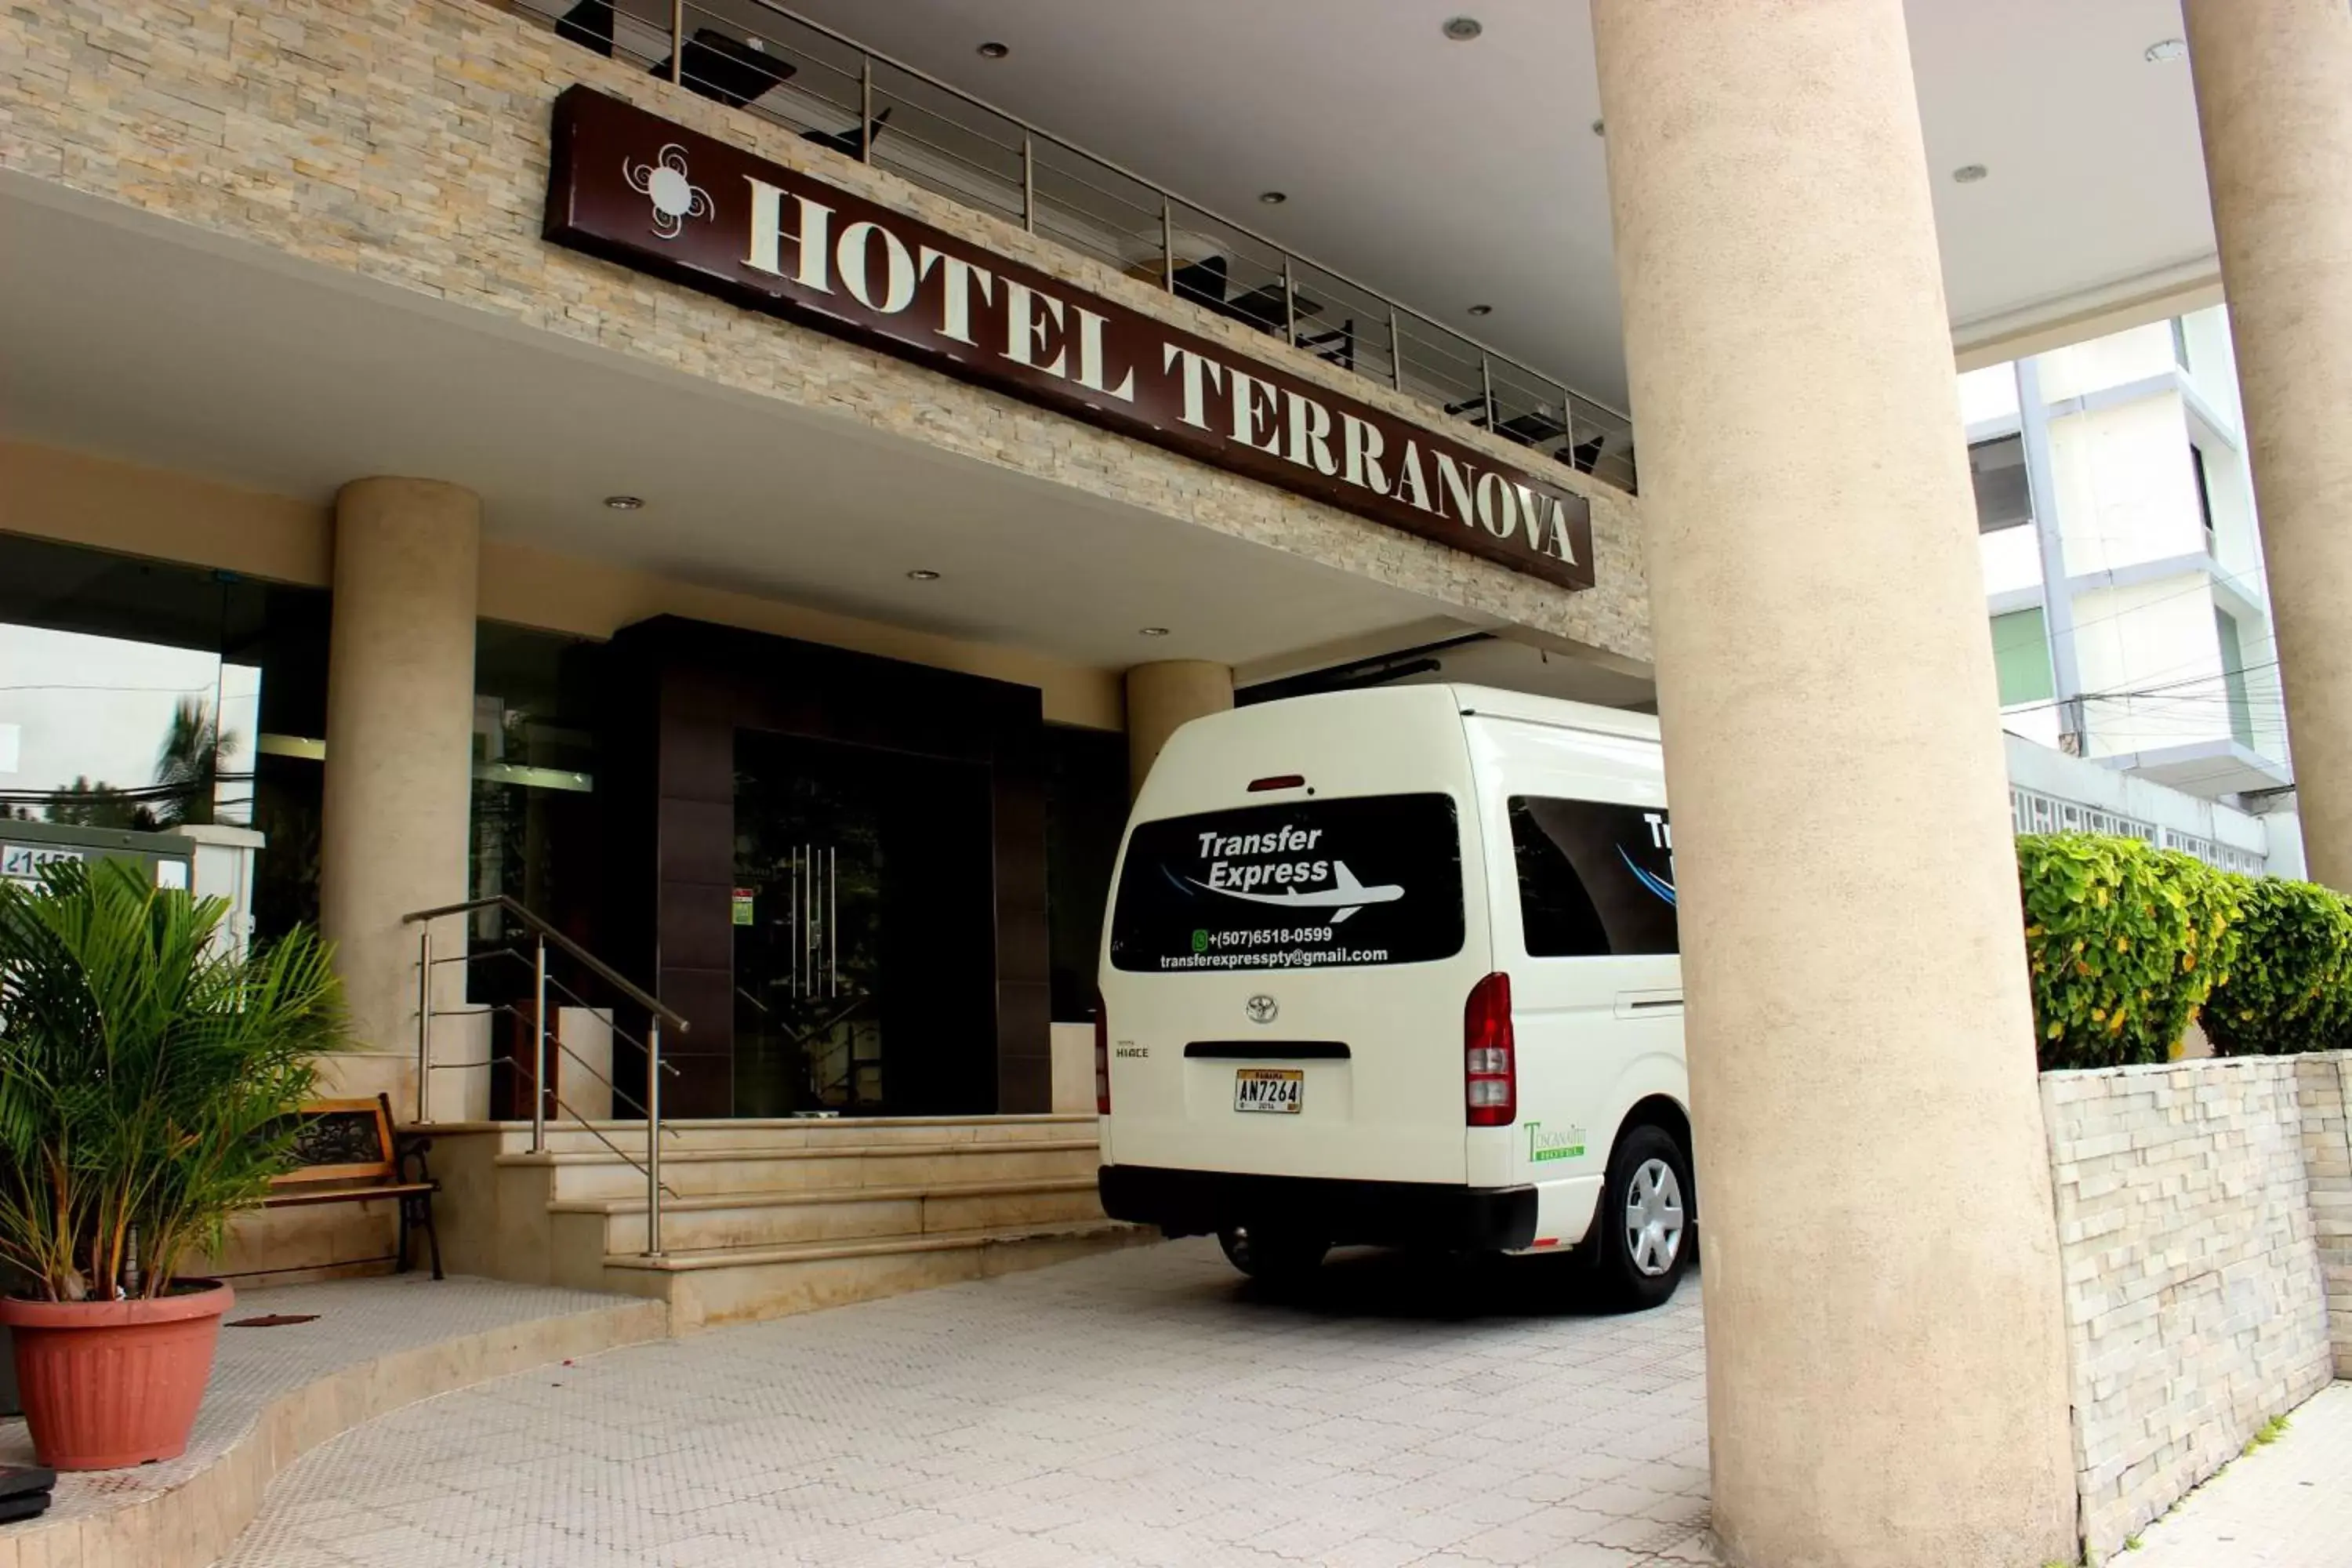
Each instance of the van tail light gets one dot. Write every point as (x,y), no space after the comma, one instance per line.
(1490,1068)
(1102,1056)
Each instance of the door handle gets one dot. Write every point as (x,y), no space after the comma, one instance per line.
(1648,1003)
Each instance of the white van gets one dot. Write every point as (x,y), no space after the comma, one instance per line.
(1398,967)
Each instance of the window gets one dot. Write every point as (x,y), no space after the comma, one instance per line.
(1596,880)
(2204,494)
(2020,657)
(146,695)
(535,829)
(1313,884)
(2234,678)
(1997,469)
(2179,342)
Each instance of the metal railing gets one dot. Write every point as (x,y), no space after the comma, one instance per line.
(759,58)
(543,936)
(2034,811)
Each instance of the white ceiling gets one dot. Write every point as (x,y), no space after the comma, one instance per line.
(130,338)
(1453,175)
(1445,174)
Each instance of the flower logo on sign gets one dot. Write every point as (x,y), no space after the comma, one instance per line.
(663,182)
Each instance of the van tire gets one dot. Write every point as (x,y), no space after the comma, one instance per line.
(1651,1156)
(1272,1257)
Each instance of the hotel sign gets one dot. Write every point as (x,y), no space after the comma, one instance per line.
(644,192)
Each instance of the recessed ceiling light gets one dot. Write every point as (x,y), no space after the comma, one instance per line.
(625,503)
(1462,29)
(2165,49)
(1481,309)
(1273,198)
(1970,174)
(1600,127)
(992,50)
(1155,631)
(923,574)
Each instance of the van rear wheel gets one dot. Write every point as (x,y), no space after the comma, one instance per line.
(1276,1256)
(1646,1229)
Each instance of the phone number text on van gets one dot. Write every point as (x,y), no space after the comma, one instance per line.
(1280,936)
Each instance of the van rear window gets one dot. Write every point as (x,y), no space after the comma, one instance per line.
(1310,884)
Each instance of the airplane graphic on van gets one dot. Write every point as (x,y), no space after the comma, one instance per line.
(1343,898)
(1650,880)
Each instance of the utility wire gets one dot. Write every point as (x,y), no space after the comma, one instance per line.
(2127,693)
(162,690)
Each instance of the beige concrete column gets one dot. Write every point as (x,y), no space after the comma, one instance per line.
(399,769)
(1886,1364)
(1159,697)
(2275,98)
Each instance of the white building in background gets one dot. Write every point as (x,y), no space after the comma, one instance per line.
(2123,571)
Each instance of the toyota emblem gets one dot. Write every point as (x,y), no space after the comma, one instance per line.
(1261,1009)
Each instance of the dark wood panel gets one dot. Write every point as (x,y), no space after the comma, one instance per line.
(680,693)
(1025,1061)
(700,832)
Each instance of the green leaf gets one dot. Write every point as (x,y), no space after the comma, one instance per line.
(146,1075)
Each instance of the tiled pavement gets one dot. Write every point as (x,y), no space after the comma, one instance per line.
(350,1322)
(1145,1408)
(2283,1506)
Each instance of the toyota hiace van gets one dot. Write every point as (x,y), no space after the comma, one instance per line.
(1398,967)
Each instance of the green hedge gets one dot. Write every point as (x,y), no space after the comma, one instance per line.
(2124,941)
(2290,987)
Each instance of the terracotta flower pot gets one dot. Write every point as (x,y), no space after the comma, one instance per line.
(110,1383)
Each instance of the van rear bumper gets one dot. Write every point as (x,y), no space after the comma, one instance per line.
(1344,1213)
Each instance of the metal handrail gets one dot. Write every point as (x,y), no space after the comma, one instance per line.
(597,966)
(1032,129)
(507,1009)
(576,999)
(618,1032)
(543,932)
(1575,432)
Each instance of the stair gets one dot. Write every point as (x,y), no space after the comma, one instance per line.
(829,1166)
(764,1218)
(723,1285)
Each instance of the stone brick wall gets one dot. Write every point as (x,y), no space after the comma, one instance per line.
(2187,1197)
(2322,1082)
(405,142)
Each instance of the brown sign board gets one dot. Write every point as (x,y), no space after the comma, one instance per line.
(644,192)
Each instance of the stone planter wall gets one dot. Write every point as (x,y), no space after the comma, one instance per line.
(2205,1225)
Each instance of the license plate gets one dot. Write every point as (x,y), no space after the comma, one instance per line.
(1279,1090)
(23,862)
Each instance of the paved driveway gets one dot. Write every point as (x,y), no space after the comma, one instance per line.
(2285,1505)
(1145,1407)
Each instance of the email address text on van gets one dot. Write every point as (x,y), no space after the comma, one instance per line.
(1292,958)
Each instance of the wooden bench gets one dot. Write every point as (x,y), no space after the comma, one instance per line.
(348,1152)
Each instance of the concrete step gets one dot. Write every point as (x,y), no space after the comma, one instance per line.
(568,1137)
(723,1285)
(765,1219)
(828,1166)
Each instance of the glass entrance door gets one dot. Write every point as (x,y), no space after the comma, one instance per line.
(864,927)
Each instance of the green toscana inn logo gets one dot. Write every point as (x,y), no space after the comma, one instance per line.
(1566,1145)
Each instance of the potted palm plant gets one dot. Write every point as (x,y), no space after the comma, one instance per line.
(149,1074)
